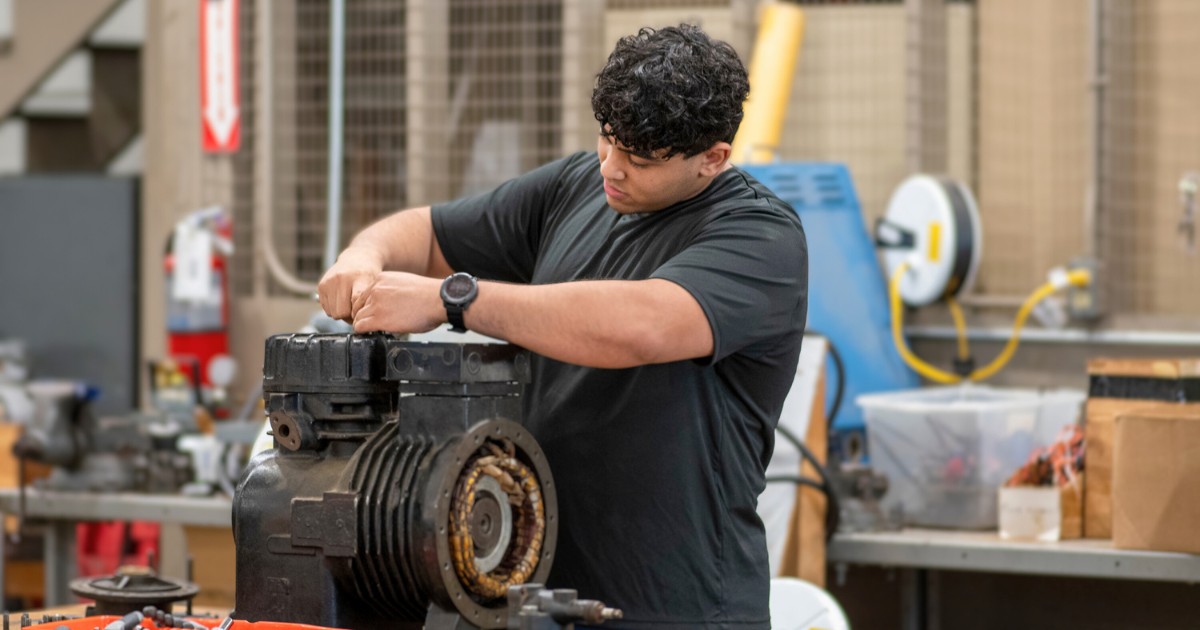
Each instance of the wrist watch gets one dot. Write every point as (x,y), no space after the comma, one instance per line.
(458,291)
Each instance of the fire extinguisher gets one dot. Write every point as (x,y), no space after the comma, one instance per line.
(196,265)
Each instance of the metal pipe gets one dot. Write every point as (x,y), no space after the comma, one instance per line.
(1065,336)
(264,159)
(1098,81)
(926,85)
(981,300)
(333,199)
(772,68)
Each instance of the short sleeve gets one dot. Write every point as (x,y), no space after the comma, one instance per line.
(496,235)
(748,269)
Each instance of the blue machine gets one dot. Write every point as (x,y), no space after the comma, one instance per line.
(847,300)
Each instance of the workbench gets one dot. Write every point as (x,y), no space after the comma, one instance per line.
(985,551)
(61,511)
(918,552)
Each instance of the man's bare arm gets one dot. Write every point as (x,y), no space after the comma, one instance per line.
(403,241)
(601,323)
(597,323)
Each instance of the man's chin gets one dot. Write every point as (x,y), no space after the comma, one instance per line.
(621,206)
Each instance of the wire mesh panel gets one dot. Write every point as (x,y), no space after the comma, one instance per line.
(506,63)
(1033,151)
(240,166)
(374,137)
(626,17)
(849,95)
(440,99)
(1150,151)
(1072,120)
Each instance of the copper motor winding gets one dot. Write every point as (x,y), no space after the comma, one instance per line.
(521,544)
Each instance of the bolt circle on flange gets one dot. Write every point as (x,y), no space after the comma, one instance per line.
(520,562)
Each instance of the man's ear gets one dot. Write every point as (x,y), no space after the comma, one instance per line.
(714,159)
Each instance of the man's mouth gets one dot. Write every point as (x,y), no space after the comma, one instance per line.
(611,191)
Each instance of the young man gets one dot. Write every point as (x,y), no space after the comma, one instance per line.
(664,293)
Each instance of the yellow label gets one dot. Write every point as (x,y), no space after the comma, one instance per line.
(935,241)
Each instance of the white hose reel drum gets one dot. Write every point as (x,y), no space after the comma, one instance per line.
(932,223)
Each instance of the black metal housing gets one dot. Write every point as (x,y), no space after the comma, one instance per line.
(344,524)
(127,591)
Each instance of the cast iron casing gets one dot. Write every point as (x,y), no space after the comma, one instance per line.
(344,524)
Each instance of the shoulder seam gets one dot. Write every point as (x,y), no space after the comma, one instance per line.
(773,200)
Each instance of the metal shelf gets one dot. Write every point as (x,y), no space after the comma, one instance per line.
(95,506)
(987,552)
(62,510)
(1118,337)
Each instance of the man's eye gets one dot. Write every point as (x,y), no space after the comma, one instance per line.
(638,164)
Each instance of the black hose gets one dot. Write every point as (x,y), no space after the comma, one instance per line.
(840,368)
(797,479)
(832,519)
(841,382)
(833,509)
(833,506)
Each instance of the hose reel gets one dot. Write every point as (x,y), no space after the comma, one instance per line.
(933,225)
(931,243)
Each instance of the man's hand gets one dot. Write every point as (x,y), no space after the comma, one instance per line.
(400,303)
(343,285)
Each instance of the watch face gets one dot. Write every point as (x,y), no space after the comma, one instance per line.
(458,287)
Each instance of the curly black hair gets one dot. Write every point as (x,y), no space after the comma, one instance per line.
(669,91)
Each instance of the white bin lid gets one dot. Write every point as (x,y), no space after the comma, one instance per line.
(966,397)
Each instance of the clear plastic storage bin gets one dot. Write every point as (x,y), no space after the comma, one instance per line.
(946,450)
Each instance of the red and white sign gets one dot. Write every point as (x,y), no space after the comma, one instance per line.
(222,121)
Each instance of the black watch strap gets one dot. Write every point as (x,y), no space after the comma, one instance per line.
(454,315)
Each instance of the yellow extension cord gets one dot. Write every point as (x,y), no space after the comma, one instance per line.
(960,328)
(1077,277)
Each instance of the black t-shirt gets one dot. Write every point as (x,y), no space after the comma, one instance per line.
(659,467)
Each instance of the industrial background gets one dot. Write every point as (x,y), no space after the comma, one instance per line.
(1074,127)
(1076,123)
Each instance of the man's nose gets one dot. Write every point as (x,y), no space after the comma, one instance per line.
(609,168)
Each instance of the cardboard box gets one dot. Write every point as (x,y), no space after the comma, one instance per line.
(1101,415)
(1174,379)
(213,560)
(1071,504)
(1156,479)
(1119,386)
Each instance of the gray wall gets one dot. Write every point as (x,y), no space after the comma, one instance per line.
(68,280)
